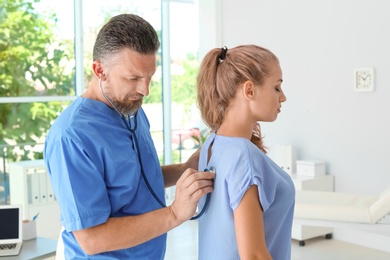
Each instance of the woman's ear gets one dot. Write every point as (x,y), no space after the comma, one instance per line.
(248,89)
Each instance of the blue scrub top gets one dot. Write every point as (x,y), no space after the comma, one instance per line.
(240,164)
(95,173)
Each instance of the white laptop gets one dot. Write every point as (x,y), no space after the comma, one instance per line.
(10,230)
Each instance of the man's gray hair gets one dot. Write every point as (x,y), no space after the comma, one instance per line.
(125,31)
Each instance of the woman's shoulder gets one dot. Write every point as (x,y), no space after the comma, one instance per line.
(239,145)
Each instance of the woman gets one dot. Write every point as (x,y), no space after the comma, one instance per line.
(251,208)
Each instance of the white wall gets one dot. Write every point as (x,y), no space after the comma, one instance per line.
(320,44)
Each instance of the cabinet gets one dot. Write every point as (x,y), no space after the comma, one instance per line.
(30,187)
(318,183)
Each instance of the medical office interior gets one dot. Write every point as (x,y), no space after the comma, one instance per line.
(328,116)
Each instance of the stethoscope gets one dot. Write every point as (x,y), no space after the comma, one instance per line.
(132,130)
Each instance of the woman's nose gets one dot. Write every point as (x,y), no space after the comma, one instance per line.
(283,97)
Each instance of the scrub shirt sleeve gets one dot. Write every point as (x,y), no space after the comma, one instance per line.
(79,184)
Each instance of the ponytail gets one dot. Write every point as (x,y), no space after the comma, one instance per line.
(221,72)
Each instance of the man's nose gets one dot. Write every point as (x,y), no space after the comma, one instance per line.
(143,87)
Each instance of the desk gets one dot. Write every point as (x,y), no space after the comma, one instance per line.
(38,248)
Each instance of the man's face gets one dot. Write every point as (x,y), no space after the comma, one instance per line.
(127,78)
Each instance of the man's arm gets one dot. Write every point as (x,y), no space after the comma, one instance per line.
(125,232)
(173,172)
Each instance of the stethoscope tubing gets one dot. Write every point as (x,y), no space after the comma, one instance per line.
(162,204)
(134,134)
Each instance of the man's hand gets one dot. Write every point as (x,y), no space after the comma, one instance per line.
(191,186)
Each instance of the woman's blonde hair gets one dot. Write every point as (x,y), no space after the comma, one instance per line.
(220,74)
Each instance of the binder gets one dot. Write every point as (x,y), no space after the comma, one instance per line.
(42,186)
(50,192)
(284,156)
(33,188)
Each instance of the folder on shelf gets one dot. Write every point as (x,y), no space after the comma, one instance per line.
(50,192)
(33,188)
(42,175)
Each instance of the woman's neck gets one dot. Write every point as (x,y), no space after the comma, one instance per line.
(236,127)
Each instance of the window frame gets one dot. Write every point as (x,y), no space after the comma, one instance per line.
(79,74)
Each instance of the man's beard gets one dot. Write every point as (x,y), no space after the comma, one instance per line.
(127,108)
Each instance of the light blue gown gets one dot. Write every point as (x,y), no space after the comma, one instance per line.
(240,164)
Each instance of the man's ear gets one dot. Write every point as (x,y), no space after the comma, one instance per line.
(248,89)
(98,69)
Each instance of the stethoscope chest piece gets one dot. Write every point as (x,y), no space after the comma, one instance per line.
(211,169)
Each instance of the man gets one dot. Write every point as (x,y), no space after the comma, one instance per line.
(101,158)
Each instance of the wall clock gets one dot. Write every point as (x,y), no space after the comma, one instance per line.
(364,79)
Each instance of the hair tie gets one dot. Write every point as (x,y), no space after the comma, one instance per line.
(222,57)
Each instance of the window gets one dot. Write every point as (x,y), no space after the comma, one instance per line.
(45,59)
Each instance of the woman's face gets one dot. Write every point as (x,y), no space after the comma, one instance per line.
(269,96)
